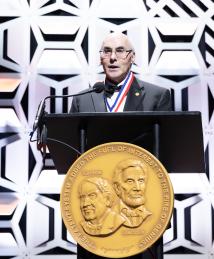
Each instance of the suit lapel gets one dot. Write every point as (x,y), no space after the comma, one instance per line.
(98,102)
(135,96)
(133,102)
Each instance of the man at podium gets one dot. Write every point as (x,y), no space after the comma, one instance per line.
(122,90)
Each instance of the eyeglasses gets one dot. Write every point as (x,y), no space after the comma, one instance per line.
(120,53)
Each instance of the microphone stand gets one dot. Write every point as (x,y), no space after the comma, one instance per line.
(40,127)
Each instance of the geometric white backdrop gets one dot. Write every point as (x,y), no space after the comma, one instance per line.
(52,47)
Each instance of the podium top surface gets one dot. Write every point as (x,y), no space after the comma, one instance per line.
(180,138)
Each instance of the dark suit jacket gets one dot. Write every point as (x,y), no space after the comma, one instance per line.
(142,96)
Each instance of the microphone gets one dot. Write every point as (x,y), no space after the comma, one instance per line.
(97,88)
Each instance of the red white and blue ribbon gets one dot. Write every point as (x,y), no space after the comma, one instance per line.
(121,94)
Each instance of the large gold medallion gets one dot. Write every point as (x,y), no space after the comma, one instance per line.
(116,200)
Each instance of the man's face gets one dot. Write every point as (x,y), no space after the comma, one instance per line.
(132,187)
(116,68)
(92,202)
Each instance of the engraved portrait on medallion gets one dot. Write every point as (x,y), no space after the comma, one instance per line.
(129,181)
(96,201)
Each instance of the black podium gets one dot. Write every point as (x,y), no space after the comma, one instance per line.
(175,138)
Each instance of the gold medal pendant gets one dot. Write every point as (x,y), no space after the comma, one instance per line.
(116,200)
